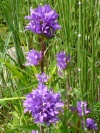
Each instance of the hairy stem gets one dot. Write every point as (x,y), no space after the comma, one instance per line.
(42,69)
(42,53)
(41,129)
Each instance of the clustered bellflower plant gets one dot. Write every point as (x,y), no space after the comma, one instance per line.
(43,20)
(35,131)
(79,109)
(44,104)
(62,61)
(82,106)
(33,58)
(90,124)
(42,77)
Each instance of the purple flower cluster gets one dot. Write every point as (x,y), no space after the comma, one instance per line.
(33,57)
(44,105)
(62,60)
(90,124)
(34,131)
(43,21)
(42,78)
(79,108)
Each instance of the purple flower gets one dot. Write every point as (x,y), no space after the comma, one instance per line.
(90,124)
(73,109)
(79,108)
(42,77)
(44,105)
(43,21)
(34,131)
(33,57)
(62,61)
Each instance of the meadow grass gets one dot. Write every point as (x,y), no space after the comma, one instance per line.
(79,36)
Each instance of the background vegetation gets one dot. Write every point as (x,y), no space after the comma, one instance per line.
(79,36)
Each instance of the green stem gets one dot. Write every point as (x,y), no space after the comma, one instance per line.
(93,52)
(80,43)
(50,129)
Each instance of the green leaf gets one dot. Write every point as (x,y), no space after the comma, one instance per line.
(18,74)
(34,83)
(26,127)
(10,99)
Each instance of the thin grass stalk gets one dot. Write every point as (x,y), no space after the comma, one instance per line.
(97,82)
(93,51)
(63,15)
(1,65)
(97,88)
(29,39)
(80,43)
(15,32)
(4,49)
(73,42)
(88,81)
(16,15)
(85,47)
(70,40)
(68,43)
(79,47)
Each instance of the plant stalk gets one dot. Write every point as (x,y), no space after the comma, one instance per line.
(41,129)
(42,53)
(42,69)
